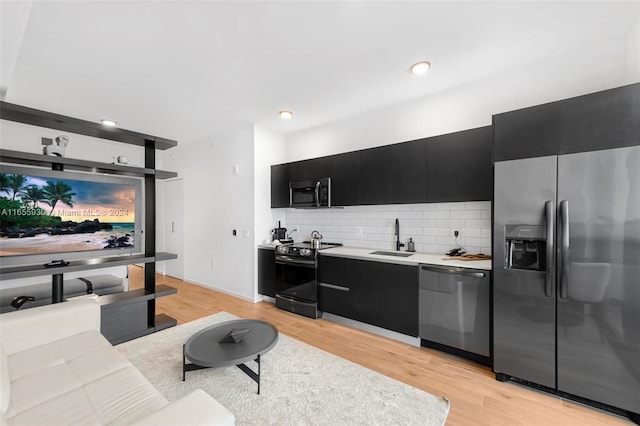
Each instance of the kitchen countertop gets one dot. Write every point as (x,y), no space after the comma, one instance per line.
(414,259)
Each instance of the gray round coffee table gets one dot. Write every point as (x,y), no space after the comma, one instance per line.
(216,346)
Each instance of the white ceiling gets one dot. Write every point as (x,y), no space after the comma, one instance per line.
(191,70)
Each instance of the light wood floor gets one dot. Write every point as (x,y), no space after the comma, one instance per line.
(476,397)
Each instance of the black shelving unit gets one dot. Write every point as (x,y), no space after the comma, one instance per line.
(125,315)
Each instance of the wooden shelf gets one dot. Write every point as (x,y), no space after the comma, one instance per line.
(126,315)
(164,290)
(50,120)
(164,321)
(160,256)
(28,271)
(132,296)
(163,174)
(31,159)
(131,336)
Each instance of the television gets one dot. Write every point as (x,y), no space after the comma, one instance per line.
(48,215)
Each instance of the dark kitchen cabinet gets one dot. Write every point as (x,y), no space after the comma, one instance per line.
(459,166)
(526,133)
(374,175)
(399,298)
(280,185)
(602,120)
(408,170)
(377,293)
(266,272)
(345,179)
(338,280)
(310,169)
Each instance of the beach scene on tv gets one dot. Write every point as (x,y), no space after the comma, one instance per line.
(40,215)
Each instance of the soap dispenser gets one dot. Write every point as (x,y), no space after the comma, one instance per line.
(411,246)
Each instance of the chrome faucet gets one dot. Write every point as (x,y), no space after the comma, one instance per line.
(291,232)
(398,243)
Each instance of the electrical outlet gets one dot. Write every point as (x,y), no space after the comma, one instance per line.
(213,264)
(357,230)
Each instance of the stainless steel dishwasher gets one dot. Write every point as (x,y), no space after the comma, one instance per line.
(454,310)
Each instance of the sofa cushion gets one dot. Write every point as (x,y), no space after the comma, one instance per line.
(78,379)
(72,408)
(123,397)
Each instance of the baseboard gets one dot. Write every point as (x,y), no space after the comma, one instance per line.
(409,340)
(221,290)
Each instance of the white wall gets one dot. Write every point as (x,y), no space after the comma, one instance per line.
(215,202)
(269,149)
(606,65)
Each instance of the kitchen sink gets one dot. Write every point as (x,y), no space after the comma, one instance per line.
(392,253)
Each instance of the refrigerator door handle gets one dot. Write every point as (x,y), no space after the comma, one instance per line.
(564,249)
(550,277)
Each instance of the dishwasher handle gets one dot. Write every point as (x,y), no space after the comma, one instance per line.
(454,271)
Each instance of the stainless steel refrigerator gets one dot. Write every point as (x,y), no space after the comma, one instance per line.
(567,274)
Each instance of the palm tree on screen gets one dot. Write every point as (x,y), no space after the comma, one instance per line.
(32,194)
(4,182)
(14,184)
(58,191)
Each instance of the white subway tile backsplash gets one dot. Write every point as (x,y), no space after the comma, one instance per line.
(478,205)
(470,232)
(430,225)
(466,214)
(437,214)
(478,223)
(450,206)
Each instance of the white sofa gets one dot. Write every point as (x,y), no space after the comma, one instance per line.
(57,369)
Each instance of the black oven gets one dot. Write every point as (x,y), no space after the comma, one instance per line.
(296,282)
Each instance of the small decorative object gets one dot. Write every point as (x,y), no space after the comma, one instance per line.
(55,147)
(235,335)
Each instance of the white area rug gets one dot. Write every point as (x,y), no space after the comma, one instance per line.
(300,384)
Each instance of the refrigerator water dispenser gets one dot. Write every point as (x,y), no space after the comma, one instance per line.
(525,247)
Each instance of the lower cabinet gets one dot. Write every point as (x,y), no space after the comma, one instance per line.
(266,272)
(376,293)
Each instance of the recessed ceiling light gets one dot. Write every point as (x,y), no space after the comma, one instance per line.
(420,67)
(286,114)
(109,123)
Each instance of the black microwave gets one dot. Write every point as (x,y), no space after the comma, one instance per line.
(310,193)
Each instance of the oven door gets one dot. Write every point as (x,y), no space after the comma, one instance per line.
(296,278)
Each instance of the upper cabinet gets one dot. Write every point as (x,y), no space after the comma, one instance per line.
(601,120)
(345,179)
(453,167)
(459,166)
(407,172)
(280,185)
(374,175)
(310,169)
(526,133)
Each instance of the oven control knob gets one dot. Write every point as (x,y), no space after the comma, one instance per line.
(305,252)
(283,249)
